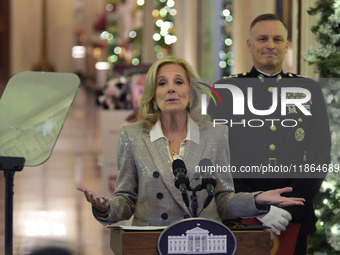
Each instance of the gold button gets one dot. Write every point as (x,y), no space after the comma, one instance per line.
(300,120)
(270,89)
(273,128)
(272,147)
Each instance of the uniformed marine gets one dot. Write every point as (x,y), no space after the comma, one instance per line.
(295,131)
(296,140)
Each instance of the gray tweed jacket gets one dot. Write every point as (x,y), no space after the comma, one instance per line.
(145,186)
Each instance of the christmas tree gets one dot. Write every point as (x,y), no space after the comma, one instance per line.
(326,56)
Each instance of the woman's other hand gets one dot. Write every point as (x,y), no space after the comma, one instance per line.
(100,203)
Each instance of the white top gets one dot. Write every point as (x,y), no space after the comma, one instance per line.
(192,135)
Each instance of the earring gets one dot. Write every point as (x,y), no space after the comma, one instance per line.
(155,107)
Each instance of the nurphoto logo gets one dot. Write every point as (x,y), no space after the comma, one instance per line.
(204,97)
(285,101)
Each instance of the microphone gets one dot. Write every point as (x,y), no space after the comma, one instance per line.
(181,180)
(208,181)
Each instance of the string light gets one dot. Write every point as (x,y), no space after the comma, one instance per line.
(132,34)
(327,185)
(225,55)
(228,42)
(225,12)
(335,229)
(170,3)
(109,7)
(223,64)
(173,12)
(336,4)
(159,23)
(164,36)
(156,37)
(140,2)
(229,18)
(155,13)
(112,59)
(230,62)
(135,61)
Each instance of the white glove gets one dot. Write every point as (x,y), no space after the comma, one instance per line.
(277,219)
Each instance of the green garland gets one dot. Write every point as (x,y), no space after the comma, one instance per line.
(326,56)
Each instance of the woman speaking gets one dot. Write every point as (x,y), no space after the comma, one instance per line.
(171,127)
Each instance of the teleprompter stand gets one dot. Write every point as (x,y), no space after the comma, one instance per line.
(10,165)
(33,109)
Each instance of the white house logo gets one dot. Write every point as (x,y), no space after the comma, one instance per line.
(197,240)
(197,236)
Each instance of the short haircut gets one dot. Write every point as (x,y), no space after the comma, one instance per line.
(267,16)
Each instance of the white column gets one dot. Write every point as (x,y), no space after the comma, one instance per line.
(210,39)
(201,243)
(185,22)
(24,36)
(295,36)
(148,53)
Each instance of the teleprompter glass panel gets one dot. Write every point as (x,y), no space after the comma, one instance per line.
(33,109)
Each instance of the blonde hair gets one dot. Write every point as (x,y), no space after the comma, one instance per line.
(148,116)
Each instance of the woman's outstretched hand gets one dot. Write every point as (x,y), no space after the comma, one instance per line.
(100,203)
(273,197)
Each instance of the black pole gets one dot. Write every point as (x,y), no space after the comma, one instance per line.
(194,200)
(9,183)
(10,165)
(194,204)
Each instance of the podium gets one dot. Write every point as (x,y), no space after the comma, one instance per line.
(130,242)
